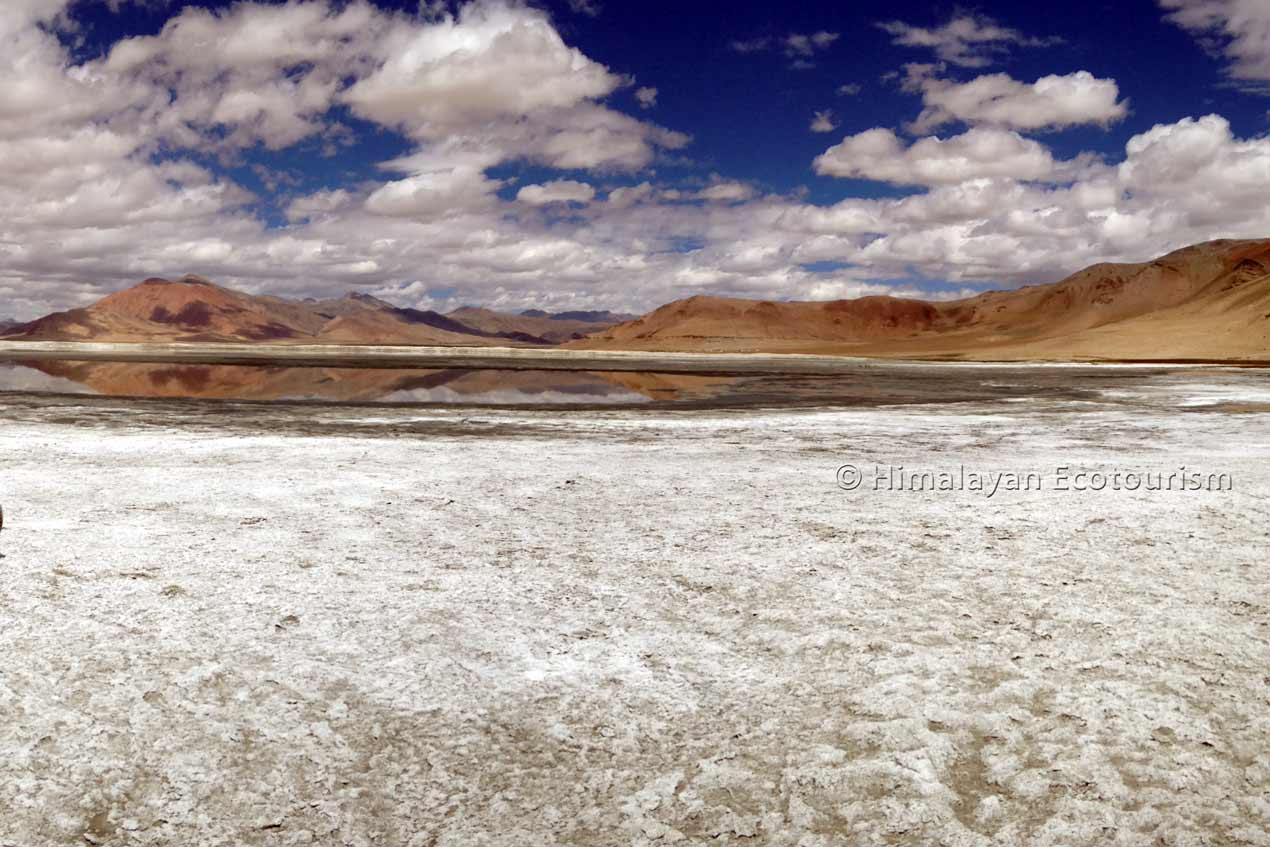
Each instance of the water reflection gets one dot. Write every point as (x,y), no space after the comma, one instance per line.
(346,385)
(873,383)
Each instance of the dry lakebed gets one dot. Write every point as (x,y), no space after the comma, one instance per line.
(294,624)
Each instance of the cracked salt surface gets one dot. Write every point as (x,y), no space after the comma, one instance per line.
(602,628)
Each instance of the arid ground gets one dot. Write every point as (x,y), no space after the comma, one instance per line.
(236,624)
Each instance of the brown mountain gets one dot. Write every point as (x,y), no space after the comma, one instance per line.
(193,309)
(550,328)
(411,327)
(1209,301)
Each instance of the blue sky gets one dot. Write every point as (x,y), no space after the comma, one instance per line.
(600,154)
(748,113)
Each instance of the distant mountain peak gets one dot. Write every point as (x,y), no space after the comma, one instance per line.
(195,309)
(188,279)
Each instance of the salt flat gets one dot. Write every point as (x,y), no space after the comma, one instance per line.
(354,626)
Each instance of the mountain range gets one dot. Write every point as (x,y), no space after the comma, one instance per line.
(193,309)
(1208,301)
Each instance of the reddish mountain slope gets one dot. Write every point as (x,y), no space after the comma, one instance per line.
(1207,301)
(193,309)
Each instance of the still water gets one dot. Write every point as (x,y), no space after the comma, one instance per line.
(871,383)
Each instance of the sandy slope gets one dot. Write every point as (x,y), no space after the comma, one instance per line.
(1209,301)
(262,630)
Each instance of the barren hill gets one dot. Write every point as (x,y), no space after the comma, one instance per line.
(554,329)
(194,309)
(1209,301)
(191,309)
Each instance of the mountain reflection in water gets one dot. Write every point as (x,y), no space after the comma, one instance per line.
(348,385)
(862,384)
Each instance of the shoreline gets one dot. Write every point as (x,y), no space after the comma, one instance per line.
(513,358)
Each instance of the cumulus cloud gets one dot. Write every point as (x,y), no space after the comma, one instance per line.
(646,97)
(1198,172)
(19,15)
(443,183)
(94,186)
(1178,184)
(1052,102)
(879,154)
(493,62)
(823,121)
(725,191)
(496,73)
(1238,28)
(557,191)
(109,174)
(971,41)
(254,74)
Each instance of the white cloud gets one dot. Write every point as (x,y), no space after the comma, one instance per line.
(265,74)
(557,191)
(752,45)
(1238,28)
(800,44)
(494,61)
(19,15)
(442,183)
(1197,172)
(726,191)
(971,41)
(823,121)
(646,97)
(589,137)
(590,8)
(497,74)
(798,47)
(88,206)
(321,203)
(879,154)
(850,89)
(1052,102)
